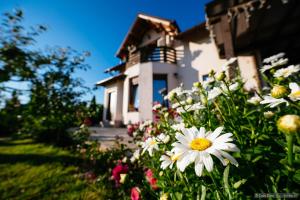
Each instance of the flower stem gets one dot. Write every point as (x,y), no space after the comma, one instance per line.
(216,186)
(289,139)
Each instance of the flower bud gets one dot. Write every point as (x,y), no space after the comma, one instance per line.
(189,100)
(161,173)
(172,96)
(164,196)
(269,114)
(221,76)
(212,73)
(289,124)
(279,91)
(197,85)
(123,178)
(166,115)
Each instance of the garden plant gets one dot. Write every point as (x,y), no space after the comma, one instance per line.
(220,141)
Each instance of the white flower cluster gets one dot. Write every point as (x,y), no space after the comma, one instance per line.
(274,61)
(281,95)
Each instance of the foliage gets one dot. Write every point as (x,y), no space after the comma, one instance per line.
(95,111)
(11,112)
(219,141)
(54,92)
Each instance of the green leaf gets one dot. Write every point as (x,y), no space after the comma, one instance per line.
(225,180)
(257,158)
(239,183)
(203,192)
(296,177)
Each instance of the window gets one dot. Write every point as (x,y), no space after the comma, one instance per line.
(111,107)
(133,95)
(205,77)
(160,88)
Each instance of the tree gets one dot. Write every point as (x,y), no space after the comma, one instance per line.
(11,115)
(53,90)
(95,111)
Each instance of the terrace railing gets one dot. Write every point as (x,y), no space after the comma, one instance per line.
(152,54)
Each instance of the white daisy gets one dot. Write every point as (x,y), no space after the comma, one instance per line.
(274,58)
(225,66)
(213,93)
(207,82)
(169,159)
(135,156)
(277,63)
(232,87)
(178,127)
(157,106)
(149,145)
(188,108)
(197,146)
(254,100)
(273,102)
(163,138)
(295,92)
(286,72)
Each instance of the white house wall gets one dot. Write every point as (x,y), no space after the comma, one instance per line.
(196,59)
(145,73)
(119,108)
(249,71)
(133,117)
(145,91)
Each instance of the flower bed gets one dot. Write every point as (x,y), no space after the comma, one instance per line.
(218,141)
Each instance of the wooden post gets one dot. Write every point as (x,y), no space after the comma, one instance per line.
(227,37)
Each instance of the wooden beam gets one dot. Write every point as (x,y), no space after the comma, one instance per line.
(227,37)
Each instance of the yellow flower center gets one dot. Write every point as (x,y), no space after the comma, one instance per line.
(296,94)
(153,142)
(175,157)
(200,144)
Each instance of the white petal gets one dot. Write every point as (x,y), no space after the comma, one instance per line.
(182,139)
(201,133)
(217,154)
(224,138)
(199,168)
(180,146)
(183,162)
(229,157)
(208,162)
(215,134)
(294,86)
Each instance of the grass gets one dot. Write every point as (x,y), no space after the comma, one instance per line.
(31,170)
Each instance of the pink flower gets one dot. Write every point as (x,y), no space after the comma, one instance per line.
(152,181)
(135,193)
(90,176)
(119,169)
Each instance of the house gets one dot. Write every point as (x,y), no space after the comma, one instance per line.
(155,58)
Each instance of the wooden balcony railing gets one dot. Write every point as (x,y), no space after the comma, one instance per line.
(152,54)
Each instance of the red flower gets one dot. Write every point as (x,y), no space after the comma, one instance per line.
(119,169)
(87,121)
(135,193)
(130,130)
(152,181)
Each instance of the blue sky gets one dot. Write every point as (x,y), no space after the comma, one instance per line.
(99,26)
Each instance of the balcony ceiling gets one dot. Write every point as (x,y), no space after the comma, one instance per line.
(141,25)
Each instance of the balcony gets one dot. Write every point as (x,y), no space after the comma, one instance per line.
(152,54)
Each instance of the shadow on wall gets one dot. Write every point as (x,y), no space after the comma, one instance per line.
(187,74)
